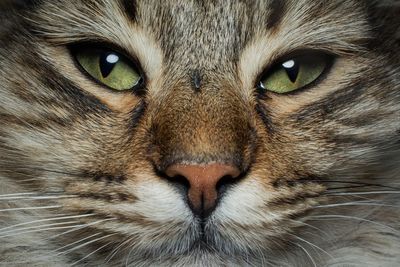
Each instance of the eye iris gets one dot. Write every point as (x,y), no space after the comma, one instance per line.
(295,73)
(107,63)
(108,67)
(292,70)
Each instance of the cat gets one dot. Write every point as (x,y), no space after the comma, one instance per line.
(199,133)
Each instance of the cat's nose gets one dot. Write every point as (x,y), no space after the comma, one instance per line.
(204,182)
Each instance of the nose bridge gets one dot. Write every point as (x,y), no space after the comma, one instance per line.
(210,125)
(202,140)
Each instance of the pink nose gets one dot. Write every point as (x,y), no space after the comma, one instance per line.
(203,181)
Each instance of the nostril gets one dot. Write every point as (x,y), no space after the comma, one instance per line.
(180,182)
(203,185)
(224,183)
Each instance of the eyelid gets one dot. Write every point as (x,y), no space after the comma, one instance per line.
(297,54)
(111,47)
(106,46)
(290,55)
(277,64)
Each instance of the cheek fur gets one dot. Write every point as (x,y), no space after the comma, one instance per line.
(161,202)
(308,178)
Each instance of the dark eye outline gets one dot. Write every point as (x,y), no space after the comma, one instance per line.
(330,57)
(139,89)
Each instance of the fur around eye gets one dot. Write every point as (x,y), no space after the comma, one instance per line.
(144,133)
(295,73)
(108,67)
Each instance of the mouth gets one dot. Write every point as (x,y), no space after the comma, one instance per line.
(210,239)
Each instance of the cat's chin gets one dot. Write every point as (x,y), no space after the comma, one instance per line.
(204,248)
(209,241)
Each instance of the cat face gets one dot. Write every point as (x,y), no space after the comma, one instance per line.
(180,132)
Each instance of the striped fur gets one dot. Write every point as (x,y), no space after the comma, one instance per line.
(80,164)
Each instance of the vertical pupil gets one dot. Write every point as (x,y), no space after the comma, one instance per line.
(292,70)
(107,63)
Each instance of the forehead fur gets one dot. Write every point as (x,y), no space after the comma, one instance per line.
(59,132)
(208,34)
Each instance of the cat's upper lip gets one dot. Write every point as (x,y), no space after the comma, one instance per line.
(206,235)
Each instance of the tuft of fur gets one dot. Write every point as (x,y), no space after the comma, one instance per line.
(80,164)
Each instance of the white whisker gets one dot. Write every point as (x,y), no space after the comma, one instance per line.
(74,243)
(129,256)
(36,227)
(311,244)
(90,254)
(308,254)
(356,204)
(18,194)
(362,193)
(79,228)
(332,217)
(42,230)
(83,245)
(115,251)
(32,208)
(51,253)
(46,220)
(37,197)
(311,226)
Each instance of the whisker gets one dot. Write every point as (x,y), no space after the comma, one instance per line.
(33,208)
(27,181)
(349,187)
(362,198)
(79,228)
(115,251)
(83,245)
(307,253)
(51,253)
(70,231)
(46,220)
(38,197)
(45,229)
(361,184)
(36,227)
(361,193)
(90,254)
(30,169)
(74,243)
(311,244)
(361,203)
(18,194)
(333,217)
(309,225)
(128,257)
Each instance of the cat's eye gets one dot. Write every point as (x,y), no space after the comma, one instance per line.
(295,72)
(108,67)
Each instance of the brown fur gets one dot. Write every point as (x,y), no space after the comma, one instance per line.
(319,183)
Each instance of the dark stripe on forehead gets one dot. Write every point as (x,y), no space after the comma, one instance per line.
(278,8)
(196,80)
(130,9)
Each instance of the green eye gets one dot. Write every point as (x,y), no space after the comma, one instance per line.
(295,73)
(108,67)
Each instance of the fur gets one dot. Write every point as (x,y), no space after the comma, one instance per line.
(81,166)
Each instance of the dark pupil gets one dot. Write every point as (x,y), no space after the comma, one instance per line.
(107,63)
(292,70)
